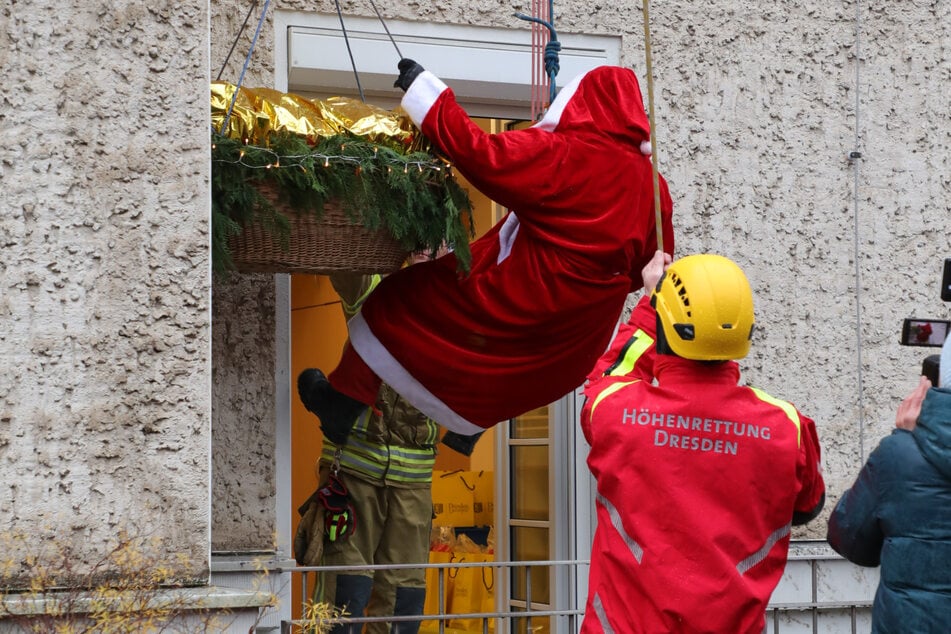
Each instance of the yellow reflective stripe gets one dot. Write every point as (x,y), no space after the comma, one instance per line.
(351,309)
(608,391)
(632,351)
(788,408)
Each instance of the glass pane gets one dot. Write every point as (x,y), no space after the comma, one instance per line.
(530,544)
(529,482)
(533,424)
(532,625)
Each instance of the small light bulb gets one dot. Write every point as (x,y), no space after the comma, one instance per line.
(327,162)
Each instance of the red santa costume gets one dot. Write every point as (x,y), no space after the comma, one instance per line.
(547,283)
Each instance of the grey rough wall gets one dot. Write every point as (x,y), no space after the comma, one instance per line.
(243,416)
(104,282)
(243,346)
(757,108)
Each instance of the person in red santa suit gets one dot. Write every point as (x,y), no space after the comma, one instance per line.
(547,283)
(699,478)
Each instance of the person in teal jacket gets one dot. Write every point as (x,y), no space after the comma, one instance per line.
(897,514)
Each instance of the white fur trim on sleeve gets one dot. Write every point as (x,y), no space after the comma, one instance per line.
(646,147)
(421,96)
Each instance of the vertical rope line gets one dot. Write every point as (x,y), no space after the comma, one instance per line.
(373,4)
(855,226)
(244,25)
(658,217)
(346,41)
(552,82)
(247,60)
(536,53)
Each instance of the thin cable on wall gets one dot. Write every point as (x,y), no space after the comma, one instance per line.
(854,157)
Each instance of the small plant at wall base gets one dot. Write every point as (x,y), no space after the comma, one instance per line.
(412,196)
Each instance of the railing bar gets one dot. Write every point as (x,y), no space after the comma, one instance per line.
(528,598)
(441,609)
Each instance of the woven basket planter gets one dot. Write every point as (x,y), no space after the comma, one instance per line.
(332,243)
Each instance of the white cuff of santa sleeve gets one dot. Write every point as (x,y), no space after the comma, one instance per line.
(421,96)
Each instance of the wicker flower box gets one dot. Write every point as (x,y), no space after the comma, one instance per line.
(330,244)
(317,187)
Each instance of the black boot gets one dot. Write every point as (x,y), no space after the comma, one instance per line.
(337,411)
(462,444)
(353,594)
(409,602)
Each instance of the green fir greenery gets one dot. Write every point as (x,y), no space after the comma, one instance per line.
(414,196)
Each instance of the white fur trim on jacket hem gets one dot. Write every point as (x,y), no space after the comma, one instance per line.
(421,96)
(392,372)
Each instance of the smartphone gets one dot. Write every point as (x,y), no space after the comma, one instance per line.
(925,332)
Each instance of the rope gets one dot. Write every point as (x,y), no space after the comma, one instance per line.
(658,217)
(247,60)
(346,41)
(551,50)
(237,37)
(372,4)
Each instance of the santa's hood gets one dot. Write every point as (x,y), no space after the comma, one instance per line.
(606,100)
(933,430)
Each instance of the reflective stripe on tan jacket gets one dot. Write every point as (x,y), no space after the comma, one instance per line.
(393,443)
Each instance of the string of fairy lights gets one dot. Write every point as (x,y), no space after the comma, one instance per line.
(278,161)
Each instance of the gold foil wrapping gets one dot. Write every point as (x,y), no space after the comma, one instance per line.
(259,111)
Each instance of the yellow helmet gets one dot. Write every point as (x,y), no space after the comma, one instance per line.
(705,307)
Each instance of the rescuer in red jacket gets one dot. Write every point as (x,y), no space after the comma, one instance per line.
(699,478)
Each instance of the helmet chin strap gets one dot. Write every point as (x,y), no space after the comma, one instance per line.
(660,341)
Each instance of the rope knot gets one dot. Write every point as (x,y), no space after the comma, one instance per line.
(551,58)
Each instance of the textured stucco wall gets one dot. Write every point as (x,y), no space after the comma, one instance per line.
(104,279)
(243,509)
(757,108)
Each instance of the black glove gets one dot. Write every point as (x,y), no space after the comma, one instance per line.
(409,70)
(461,444)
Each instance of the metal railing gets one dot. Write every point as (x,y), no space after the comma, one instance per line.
(524,614)
(517,618)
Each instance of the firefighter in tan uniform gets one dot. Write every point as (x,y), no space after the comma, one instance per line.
(386,465)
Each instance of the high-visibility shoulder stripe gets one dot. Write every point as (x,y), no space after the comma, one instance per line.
(608,391)
(788,408)
(639,342)
(350,309)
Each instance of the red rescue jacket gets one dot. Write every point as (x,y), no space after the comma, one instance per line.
(698,480)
